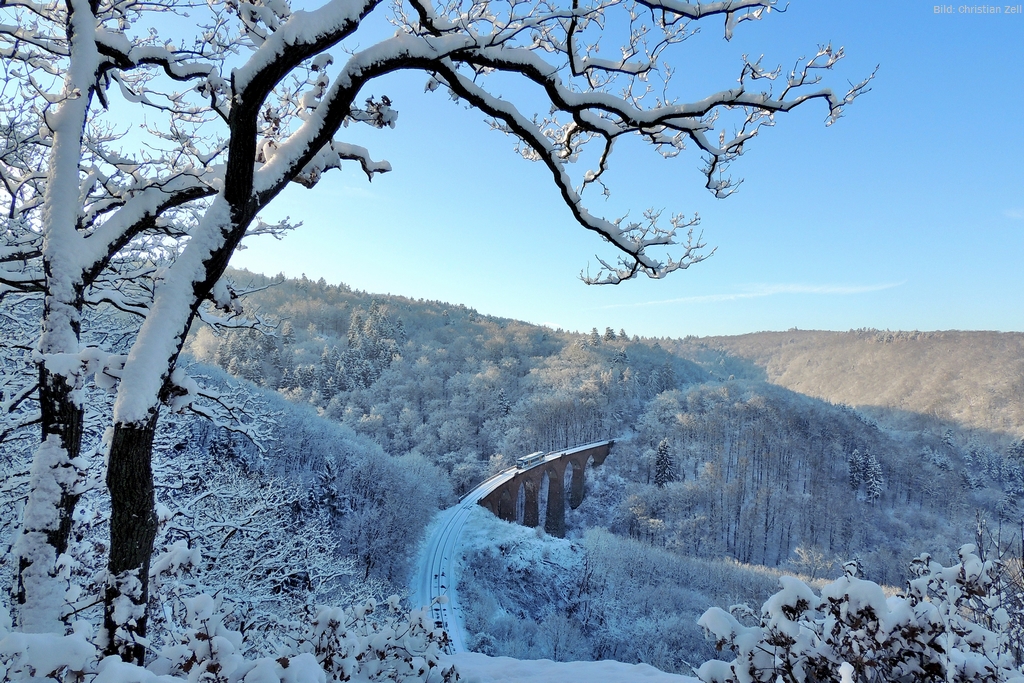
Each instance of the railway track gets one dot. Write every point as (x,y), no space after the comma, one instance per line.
(435,576)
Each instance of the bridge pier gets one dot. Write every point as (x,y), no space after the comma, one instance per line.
(531,509)
(554,521)
(576,488)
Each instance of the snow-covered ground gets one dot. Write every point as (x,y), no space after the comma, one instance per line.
(483,529)
(478,668)
(525,570)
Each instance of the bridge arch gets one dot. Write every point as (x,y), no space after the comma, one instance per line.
(575,471)
(507,502)
(531,502)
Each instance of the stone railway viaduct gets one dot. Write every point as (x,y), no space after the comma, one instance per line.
(503,501)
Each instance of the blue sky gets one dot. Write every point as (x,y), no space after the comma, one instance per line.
(906,214)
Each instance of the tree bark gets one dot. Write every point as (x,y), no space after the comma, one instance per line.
(133,527)
(47,518)
(62,415)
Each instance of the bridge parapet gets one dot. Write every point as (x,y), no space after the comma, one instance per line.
(502,502)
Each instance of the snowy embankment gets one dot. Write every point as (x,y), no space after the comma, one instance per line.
(478,668)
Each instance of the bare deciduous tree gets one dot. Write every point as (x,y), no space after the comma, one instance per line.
(254,101)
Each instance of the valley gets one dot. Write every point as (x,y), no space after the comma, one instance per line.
(738,461)
(788,452)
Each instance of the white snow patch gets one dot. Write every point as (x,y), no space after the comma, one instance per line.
(478,668)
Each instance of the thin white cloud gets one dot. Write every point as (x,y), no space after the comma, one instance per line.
(759,291)
(358,191)
(1015,214)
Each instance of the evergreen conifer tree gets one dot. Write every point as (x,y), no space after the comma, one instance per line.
(873,478)
(666,377)
(856,463)
(504,407)
(664,465)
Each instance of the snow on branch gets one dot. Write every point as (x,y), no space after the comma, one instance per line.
(139,209)
(234,408)
(277,230)
(735,11)
(332,156)
(614,98)
(301,35)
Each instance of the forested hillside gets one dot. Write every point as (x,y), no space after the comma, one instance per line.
(442,380)
(724,487)
(718,464)
(373,412)
(973,379)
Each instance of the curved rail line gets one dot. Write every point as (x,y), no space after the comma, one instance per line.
(436,576)
(436,567)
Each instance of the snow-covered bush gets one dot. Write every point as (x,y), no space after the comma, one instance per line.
(348,644)
(259,530)
(948,626)
(335,645)
(44,656)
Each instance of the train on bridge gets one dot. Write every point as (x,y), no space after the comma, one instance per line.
(525,462)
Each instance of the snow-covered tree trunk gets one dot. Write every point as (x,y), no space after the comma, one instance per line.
(48,511)
(133,527)
(145,383)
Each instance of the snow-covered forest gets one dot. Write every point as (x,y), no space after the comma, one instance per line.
(729,478)
(374,412)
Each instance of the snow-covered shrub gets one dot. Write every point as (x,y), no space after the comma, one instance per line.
(349,644)
(949,626)
(44,656)
(335,645)
(207,649)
